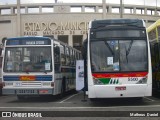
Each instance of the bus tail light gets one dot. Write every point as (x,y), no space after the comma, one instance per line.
(52,84)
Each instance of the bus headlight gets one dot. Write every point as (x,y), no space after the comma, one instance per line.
(46,84)
(8,84)
(97,81)
(17,84)
(142,81)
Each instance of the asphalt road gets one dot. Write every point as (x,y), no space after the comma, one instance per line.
(73,106)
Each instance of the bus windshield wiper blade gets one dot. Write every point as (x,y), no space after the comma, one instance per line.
(129,48)
(109,47)
(45,72)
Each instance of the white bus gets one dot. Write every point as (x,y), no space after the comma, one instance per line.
(118,59)
(38,66)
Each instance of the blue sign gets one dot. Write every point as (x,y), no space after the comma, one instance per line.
(34,42)
(29,42)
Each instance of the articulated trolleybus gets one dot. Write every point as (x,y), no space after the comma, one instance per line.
(38,66)
(119,63)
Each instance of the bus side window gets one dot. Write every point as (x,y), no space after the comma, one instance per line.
(57,59)
(72,57)
(67,56)
(63,56)
(77,56)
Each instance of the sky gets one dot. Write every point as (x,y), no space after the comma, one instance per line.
(136,2)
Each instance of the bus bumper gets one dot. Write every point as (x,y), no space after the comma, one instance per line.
(28,91)
(103,91)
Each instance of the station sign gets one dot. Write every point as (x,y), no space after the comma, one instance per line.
(55,28)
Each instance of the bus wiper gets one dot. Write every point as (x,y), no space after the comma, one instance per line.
(27,72)
(109,47)
(128,50)
(45,72)
(126,54)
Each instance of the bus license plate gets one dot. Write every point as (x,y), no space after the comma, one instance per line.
(120,88)
(26,91)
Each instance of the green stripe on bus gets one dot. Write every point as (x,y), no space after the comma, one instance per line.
(105,80)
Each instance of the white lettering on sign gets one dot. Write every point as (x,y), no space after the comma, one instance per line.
(30,42)
(51,26)
(34,42)
(40,42)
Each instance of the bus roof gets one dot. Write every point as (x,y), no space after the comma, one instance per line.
(153,26)
(30,37)
(133,22)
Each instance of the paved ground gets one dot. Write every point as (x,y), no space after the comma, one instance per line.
(74,105)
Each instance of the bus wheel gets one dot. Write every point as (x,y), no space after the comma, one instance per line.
(20,97)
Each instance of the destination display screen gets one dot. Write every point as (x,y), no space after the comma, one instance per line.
(29,42)
(118,34)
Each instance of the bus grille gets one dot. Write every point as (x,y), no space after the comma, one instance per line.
(31,84)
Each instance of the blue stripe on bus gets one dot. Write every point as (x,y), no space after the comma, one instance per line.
(37,78)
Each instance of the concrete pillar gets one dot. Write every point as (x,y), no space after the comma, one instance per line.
(104,9)
(26,10)
(70,40)
(156,13)
(134,10)
(145,11)
(110,9)
(83,9)
(18,18)
(121,9)
(40,9)
(96,9)
(12,10)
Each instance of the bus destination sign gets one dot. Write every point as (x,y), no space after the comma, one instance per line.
(28,42)
(34,42)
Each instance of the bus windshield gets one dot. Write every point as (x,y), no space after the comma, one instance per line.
(28,59)
(118,55)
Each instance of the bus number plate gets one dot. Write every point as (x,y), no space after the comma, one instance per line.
(120,88)
(26,92)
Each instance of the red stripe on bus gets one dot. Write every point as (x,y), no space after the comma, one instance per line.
(109,75)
